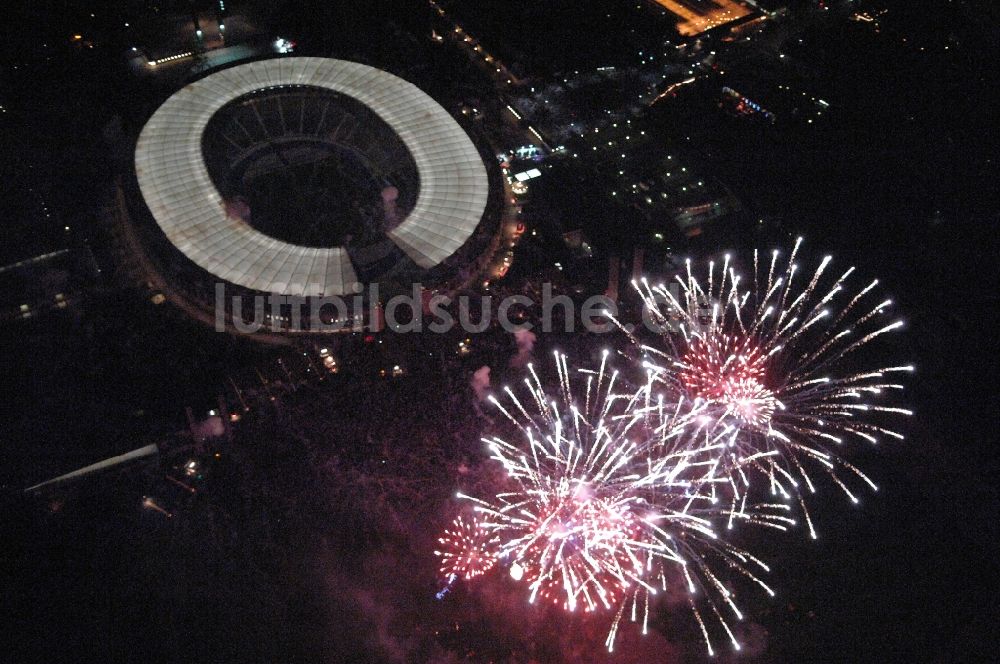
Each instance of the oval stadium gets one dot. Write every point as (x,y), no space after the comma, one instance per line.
(307,177)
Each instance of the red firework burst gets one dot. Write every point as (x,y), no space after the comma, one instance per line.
(730,371)
(467,551)
(581,551)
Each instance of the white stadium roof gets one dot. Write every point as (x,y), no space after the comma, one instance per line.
(183,200)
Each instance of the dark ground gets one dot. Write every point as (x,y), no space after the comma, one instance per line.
(290,554)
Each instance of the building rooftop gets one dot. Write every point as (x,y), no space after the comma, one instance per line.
(173,171)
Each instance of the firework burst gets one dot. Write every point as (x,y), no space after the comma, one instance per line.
(609,501)
(775,361)
(613,493)
(467,550)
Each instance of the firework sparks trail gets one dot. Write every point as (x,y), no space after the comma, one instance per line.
(613,493)
(775,362)
(609,498)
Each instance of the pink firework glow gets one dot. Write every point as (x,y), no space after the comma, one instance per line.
(610,501)
(753,387)
(466,550)
(729,371)
(779,361)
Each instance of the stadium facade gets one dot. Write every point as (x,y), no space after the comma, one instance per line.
(303,176)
